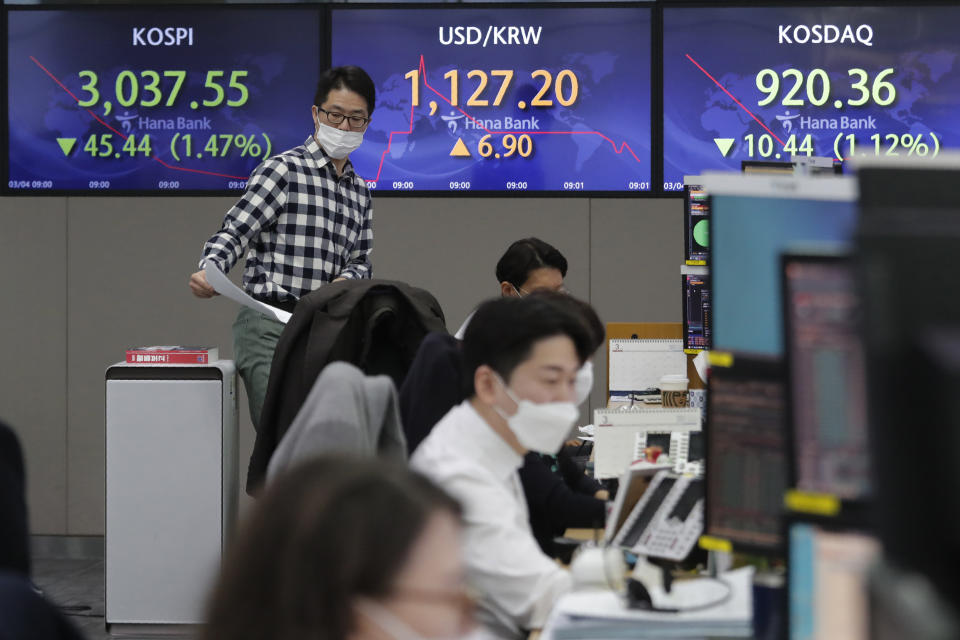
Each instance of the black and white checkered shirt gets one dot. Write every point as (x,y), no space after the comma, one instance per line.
(304,225)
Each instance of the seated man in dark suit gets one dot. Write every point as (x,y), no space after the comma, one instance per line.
(556,500)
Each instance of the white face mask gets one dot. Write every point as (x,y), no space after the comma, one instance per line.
(584,382)
(541,426)
(337,142)
(390,623)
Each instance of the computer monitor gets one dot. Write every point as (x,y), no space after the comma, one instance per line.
(746,471)
(826,376)
(828,580)
(907,251)
(138,98)
(696,211)
(778,80)
(503,98)
(753,219)
(696,311)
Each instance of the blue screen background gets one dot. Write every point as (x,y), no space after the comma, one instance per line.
(747,236)
(607,48)
(734,44)
(283,70)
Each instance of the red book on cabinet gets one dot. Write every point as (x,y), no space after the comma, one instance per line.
(172,355)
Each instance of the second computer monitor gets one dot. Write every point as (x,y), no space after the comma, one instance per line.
(826,378)
(746,472)
(753,219)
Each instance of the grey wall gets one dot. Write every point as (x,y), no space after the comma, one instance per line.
(89,277)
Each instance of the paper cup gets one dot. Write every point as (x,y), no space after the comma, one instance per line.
(673,390)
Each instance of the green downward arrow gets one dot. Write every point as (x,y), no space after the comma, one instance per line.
(66,145)
(724,145)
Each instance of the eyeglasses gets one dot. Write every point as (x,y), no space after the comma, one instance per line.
(523,292)
(356,122)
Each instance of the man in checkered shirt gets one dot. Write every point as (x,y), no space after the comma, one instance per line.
(306,219)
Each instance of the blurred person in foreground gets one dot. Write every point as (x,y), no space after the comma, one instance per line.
(345,549)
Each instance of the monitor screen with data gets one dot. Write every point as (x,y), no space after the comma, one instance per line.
(138,99)
(503,99)
(746,471)
(765,83)
(826,370)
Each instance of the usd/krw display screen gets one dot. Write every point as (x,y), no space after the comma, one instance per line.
(501,99)
(153,99)
(753,83)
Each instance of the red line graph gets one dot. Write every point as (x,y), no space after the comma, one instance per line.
(782,143)
(98,119)
(423,75)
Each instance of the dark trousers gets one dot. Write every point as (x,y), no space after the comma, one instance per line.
(14,531)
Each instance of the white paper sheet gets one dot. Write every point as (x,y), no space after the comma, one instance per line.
(219,281)
(737,607)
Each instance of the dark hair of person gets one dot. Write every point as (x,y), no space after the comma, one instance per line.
(524,256)
(321,535)
(586,312)
(503,331)
(353,78)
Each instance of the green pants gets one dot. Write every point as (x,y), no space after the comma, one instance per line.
(255,339)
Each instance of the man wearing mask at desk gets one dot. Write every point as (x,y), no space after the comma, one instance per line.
(521,357)
(307,219)
(527,265)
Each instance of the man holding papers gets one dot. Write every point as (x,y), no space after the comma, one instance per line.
(307,219)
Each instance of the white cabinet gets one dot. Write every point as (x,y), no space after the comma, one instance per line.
(172,489)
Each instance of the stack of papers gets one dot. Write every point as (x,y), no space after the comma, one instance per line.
(603,615)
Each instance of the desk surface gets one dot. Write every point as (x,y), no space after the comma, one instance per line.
(584,535)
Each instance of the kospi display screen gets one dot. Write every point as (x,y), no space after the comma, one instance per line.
(503,99)
(154,99)
(763,84)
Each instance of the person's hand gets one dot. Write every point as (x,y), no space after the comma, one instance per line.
(602,494)
(200,287)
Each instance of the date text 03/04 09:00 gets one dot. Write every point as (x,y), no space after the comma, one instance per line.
(162,185)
